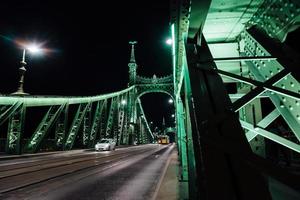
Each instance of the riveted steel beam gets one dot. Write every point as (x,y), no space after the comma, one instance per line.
(15,130)
(43,128)
(267,134)
(74,128)
(263,123)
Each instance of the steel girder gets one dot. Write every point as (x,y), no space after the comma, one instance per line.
(76,124)
(147,134)
(109,124)
(277,18)
(96,122)
(15,130)
(182,141)
(213,123)
(263,124)
(121,117)
(43,128)
(33,101)
(267,134)
(286,100)
(61,128)
(166,88)
(7,110)
(87,126)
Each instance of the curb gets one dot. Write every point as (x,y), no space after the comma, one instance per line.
(154,197)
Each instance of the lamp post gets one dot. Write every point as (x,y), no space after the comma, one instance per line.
(33,49)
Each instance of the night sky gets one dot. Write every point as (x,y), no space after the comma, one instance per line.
(88,49)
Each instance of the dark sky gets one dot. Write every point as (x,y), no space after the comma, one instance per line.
(89,46)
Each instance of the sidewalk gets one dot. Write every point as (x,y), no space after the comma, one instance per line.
(169,186)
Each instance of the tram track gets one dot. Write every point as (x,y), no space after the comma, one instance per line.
(55,162)
(29,178)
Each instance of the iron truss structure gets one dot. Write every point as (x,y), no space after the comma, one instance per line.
(114,115)
(222,135)
(81,121)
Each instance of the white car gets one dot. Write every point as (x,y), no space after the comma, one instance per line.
(105,144)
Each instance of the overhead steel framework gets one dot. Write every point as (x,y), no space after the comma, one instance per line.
(221,136)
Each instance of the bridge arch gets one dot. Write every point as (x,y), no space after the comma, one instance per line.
(167,89)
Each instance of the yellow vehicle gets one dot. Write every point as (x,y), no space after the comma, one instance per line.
(163,139)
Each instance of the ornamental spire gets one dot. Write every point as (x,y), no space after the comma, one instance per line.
(132,57)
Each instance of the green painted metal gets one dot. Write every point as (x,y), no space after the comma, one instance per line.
(103,121)
(126,129)
(182,141)
(96,122)
(15,130)
(109,126)
(32,101)
(43,128)
(190,154)
(115,119)
(77,121)
(147,134)
(272,136)
(61,128)
(7,110)
(287,105)
(277,18)
(86,126)
(121,117)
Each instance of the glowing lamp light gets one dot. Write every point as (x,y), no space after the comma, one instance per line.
(123,102)
(169,41)
(170,101)
(33,48)
(172,115)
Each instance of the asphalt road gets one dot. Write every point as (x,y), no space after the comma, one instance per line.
(126,173)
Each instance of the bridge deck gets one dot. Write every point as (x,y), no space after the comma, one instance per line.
(127,173)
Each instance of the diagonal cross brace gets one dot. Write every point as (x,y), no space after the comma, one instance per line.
(261,87)
(263,123)
(271,136)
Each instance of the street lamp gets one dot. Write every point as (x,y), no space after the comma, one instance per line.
(34,49)
(169,41)
(123,102)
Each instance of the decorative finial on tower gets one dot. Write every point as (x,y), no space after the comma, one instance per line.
(132,57)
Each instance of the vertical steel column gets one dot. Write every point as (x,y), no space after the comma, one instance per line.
(87,126)
(96,123)
(115,120)
(61,128)
(182,141)
(7,110)
(103,122)
(219,141)
(78,119)
(109,124)
(120,120)
(15,130)
(43,128)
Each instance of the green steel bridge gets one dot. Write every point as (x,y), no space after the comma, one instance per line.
(220,136)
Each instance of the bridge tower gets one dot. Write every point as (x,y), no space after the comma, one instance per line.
(132,65)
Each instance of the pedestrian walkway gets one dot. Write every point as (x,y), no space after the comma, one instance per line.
(169,184)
